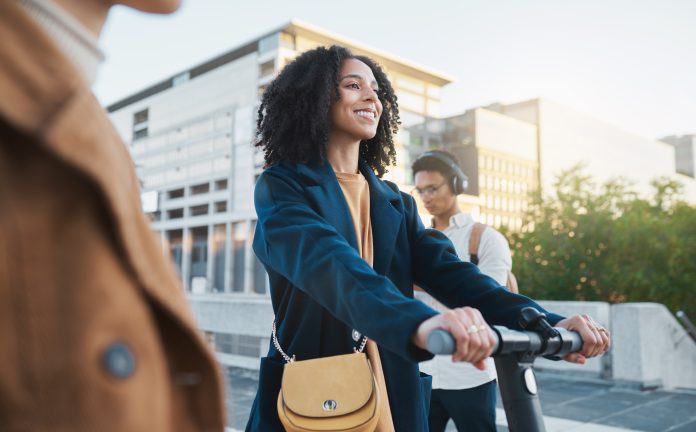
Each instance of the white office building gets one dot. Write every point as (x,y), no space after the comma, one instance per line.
(567,137)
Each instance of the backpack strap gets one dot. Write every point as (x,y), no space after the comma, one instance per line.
(474,241)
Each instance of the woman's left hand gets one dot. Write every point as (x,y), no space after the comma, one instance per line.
(596,339)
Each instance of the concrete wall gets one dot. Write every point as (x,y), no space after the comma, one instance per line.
(650,348)
(248,315)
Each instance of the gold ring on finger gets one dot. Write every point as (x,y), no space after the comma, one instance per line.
(482,327)
(472,329)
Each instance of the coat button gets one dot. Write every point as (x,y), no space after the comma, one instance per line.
(118,360)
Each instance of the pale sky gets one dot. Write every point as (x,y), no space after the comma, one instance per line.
(631,63)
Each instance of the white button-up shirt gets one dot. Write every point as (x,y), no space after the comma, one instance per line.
(494,261)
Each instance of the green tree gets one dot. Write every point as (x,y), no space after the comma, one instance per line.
(588,242)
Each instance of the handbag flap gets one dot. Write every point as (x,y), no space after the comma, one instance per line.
(328,386)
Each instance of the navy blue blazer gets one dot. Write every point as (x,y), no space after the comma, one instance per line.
(321,288)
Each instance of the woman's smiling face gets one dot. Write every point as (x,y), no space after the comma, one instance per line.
(355,114)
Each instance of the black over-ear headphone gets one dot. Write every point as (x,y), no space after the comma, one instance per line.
(460,182)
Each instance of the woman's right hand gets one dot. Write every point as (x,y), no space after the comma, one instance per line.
(474,337)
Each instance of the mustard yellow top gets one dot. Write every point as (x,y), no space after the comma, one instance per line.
(357,194)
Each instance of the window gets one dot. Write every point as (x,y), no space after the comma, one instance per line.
(140,124)
(142,133)
(155,216)
(267,68)
(175,238)
(239,233)
(411,101)
(411,85)
(141,116)
(268,43)
(410,118)
(219,257)
(221,184)
(287,40)
(200,189)
(175,193)
(434,91)
(199,210)
(175,213)
(259,272)
(221,207)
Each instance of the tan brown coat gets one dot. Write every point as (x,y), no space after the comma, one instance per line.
(81,273)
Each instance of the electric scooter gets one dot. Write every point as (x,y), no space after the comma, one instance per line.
(514,354)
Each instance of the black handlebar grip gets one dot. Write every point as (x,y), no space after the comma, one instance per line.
(441,342)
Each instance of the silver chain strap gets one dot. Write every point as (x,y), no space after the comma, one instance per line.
(280,350)
(289,359)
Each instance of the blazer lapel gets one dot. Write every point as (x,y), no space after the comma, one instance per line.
(328,197)
(385,216)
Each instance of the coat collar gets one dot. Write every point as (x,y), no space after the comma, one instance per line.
(35,79)
(320,172)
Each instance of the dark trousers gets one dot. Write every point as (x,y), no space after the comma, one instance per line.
(473,410)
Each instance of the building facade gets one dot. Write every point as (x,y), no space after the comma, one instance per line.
(566,137)
(499,155)
(510,150)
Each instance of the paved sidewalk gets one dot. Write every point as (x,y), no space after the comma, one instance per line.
(569,403)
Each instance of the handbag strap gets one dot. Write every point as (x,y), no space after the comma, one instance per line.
(289,359)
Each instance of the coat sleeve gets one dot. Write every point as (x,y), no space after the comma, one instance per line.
(296,242)
(454,283)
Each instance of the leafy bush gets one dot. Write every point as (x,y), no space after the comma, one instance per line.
(608,244)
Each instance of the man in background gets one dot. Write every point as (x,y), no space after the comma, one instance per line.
(460,391)
(95,332)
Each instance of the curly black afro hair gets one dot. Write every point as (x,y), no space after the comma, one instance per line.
(294,117)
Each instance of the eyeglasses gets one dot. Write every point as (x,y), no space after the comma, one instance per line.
(427,191)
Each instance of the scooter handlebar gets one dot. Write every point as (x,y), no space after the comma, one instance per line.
(508,341)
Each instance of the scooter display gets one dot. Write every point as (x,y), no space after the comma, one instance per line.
(514,354)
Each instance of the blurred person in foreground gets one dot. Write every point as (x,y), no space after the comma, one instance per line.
(460,391)
(95,333)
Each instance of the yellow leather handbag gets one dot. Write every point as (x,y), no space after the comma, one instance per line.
(337,393)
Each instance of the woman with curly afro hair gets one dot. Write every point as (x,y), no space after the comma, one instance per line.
(343,248)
